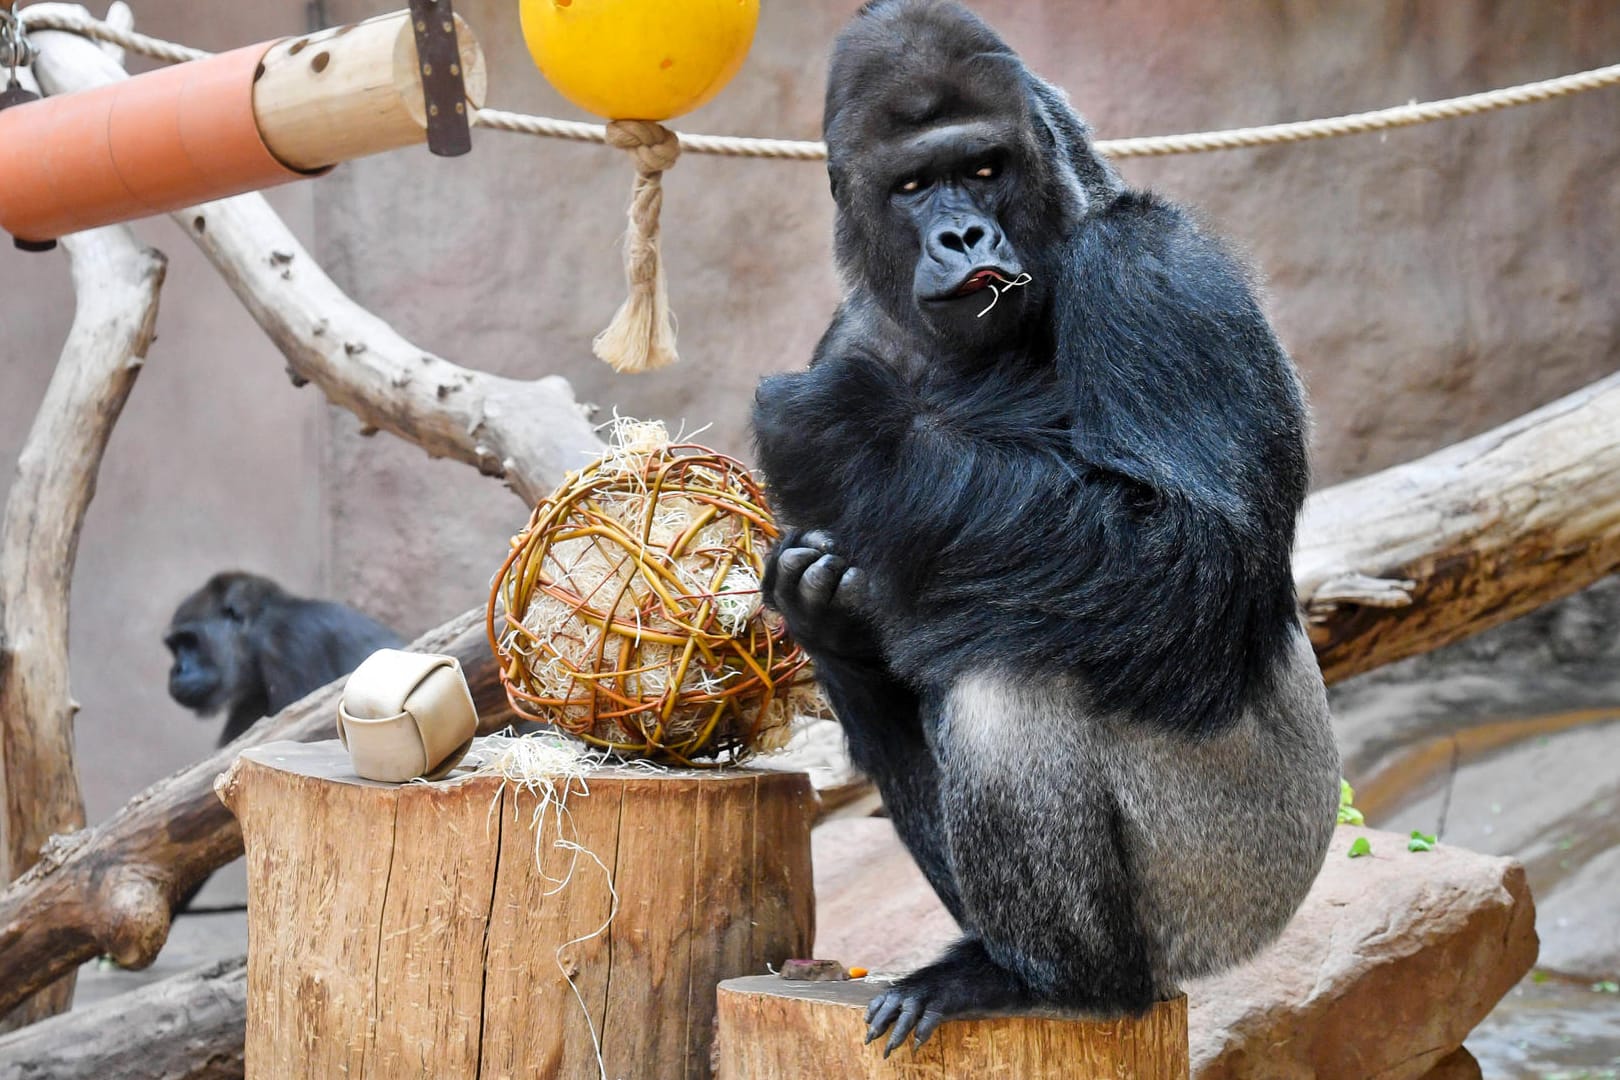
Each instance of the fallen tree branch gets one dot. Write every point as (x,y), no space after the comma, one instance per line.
(112,888)
(1424,554)
(528,432)
(189,1027)
(116,282)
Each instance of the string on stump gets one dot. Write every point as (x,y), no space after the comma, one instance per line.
(641,336)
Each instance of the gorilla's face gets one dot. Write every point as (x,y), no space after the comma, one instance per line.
(947,190)
(209,641)
(950,206)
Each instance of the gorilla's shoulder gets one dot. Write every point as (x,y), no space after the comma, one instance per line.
(1143,245)
(860,328)
(1145,222)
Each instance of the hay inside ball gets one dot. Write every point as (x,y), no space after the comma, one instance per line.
(630,614)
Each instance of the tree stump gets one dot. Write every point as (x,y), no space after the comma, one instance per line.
(432,929)
(770,1028)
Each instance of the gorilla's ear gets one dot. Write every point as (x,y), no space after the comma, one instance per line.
(1077,163)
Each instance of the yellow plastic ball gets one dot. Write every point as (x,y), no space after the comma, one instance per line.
(639,59)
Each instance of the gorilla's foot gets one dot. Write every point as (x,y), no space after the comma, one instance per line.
(963,982)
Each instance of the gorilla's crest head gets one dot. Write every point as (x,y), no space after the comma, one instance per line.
(209,639)
(956,170)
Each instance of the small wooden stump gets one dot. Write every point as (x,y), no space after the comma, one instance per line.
(770,1028)
(406,930)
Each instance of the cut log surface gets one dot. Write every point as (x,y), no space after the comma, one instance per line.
(772,1029)
(443,930)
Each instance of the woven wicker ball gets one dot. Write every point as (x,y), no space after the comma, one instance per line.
(629,611)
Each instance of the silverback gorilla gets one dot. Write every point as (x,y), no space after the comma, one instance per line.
(1042,477)
(244,644)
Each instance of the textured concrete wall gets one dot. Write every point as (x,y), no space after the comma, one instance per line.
(1431,283)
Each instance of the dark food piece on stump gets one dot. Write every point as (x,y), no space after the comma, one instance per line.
(813,971)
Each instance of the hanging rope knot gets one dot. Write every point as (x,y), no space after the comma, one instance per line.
(641,336)
(654,146)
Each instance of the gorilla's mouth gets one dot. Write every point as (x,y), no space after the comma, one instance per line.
(981,279)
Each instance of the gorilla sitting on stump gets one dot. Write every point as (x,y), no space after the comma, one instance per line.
(1040,549)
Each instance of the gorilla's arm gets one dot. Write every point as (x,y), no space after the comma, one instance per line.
(818,593)
(1126,513)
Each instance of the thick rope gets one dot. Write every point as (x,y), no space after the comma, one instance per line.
(156,48)
(641,336)
(790,149)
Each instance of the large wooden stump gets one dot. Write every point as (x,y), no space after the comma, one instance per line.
(771,1028)
(432,929)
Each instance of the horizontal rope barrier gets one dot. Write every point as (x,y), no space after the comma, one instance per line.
(801,150)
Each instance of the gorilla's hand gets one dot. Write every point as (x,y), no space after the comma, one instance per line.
(821,596)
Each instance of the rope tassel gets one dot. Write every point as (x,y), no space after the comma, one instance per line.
(641,336)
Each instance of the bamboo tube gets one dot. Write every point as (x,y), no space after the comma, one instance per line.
(352,91)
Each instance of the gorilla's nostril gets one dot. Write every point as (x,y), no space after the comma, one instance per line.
(952,242)
(972,237)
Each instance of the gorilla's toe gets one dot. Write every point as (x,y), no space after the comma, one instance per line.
(963,982)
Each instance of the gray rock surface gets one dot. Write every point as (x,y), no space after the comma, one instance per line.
(1510,743)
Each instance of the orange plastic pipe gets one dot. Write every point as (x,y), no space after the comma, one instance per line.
(146,145)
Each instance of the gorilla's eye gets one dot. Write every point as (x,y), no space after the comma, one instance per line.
(986,171)
(909,187)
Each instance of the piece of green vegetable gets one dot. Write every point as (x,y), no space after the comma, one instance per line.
(1359,846)
(1348,814)
(1420,842)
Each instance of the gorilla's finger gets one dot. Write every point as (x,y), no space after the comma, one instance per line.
(903,1025)
(881,1013)
(817,585)
(821,540)
(782,570)
(853,589)
(931,1020)
(793,561)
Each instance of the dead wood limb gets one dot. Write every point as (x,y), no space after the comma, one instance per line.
(1424,554)
(527,432)
(116,283)
(112,888)
(188,1027)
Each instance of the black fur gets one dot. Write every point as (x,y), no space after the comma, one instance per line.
(1091,489)
(243,644)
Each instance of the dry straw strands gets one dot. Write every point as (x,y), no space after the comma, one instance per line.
(629,610)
